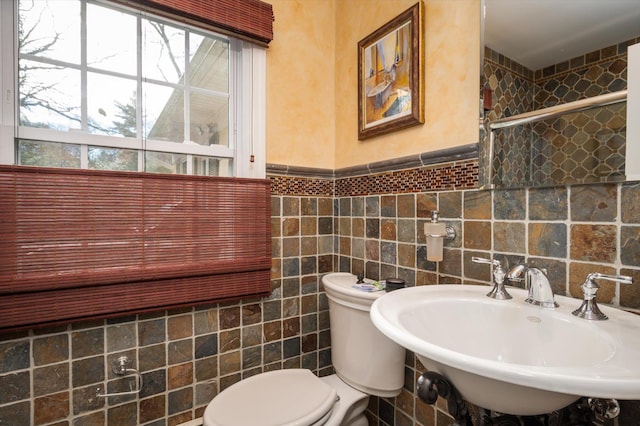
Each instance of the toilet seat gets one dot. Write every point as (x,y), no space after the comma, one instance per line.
(291,397)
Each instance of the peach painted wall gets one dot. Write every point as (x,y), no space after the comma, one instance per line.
(312,117)
(301,109)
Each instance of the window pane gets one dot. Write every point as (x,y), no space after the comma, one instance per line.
(113,159)
(49,96)
(208,166)
(162,52)
(111,40)
(209,119)
(209,63)
(164,162)
(164,113)
(111,105)
(48,154)
(50,29)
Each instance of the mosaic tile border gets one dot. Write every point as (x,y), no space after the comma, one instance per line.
(449,169)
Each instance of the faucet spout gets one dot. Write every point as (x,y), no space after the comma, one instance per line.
(536,281)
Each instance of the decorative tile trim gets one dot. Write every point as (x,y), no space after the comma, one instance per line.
(301,186)
(448,169)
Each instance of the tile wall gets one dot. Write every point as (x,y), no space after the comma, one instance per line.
(368,222)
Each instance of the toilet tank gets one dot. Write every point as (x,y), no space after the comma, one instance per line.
(362,356)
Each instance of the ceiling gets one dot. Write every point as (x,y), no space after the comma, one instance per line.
(539,33)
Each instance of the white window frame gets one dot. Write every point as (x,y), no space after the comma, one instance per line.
(247,109)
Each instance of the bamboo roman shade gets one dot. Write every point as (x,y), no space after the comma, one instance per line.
(78,244)
(247,19)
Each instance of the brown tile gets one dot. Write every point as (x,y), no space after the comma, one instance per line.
(345,246)
(407,255)
(123,415)
(290,247)
(229,362)
(50,408)
(548,203)
(309,303)
(180,375)
(425,203)
(229,317)
(93,419)
(309,226)
(152,357)
(179,351)
(630,200)
(121,337)
(152,408)
(50,379)
(150,332)
(16,414)
(84,399)
(477,235)
(291,227)
(290,307)
(388,229)
(630,245)
(206,368)
(406,205)
(205,321)
(594,203)
(629,294)
(252,335)
(87,370)
(290,206)
(87,342)
(449,205)
(547,239)
(51,349)
(325,206)
(309,206)
(179,327)
(251,314)
(509,237)
(272,331)
(290,327)
(477,204)
(229,340)
(15,386)
(593,242)
(578,274)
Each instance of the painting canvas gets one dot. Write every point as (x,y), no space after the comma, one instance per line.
(390,76)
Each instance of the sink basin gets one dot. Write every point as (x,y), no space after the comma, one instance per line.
(510,356)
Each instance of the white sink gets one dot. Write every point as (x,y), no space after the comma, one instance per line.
(509,356)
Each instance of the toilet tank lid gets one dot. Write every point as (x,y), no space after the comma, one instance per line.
(282,398)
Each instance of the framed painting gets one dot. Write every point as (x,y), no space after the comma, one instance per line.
(390,76)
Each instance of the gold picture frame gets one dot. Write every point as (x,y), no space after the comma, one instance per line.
(390,75)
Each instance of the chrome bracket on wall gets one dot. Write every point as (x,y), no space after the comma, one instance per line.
(120,367)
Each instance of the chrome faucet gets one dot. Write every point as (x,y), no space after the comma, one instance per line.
(540,292)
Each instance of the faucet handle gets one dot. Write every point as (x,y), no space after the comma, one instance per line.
(498,291)
(589,308)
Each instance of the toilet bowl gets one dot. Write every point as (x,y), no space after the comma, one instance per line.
(365,361)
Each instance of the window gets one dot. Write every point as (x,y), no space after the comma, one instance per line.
(105,87)
(120,110)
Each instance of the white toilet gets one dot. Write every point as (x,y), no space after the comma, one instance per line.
(366,363)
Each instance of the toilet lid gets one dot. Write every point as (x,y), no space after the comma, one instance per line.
(276,398)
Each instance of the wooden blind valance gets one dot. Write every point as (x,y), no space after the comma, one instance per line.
(78,244)
(247,19)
